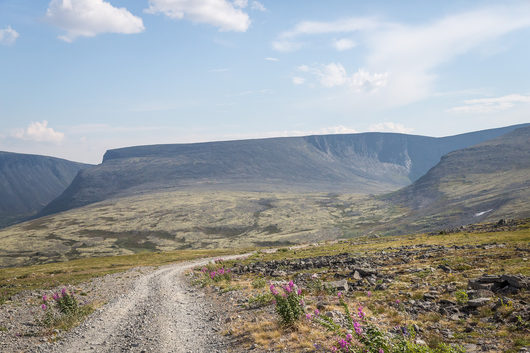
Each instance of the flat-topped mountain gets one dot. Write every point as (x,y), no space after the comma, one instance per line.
(355,163)
(30,182)
(487,181)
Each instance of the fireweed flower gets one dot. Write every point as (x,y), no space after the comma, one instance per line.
(360,312)
(299,292)
(339,294)
(358,328)
(55,296)
(317,312)
(308,316)
(273,290)
(343,343)
(381,350)
(43,306)
(44,298)
(63,292)
(333,348)
(369,293)
(349,337)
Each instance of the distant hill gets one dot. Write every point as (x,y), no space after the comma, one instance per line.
(369,163)
(484,182)
(29,182)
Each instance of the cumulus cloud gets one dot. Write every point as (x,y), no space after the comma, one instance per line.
(334,74)
(88,18)
(411,53)
(343,44)
(298,80)
(240,3)
(258,6)
(8,36)
(491,105)
(390,127)
(272,59)
(227,16)
(39,132)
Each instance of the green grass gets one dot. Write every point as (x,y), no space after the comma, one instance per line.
(15,280)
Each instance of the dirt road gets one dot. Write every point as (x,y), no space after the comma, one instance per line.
(161,314)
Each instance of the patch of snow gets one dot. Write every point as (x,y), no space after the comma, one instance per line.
(483,212)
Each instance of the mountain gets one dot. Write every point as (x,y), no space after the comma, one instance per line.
(484,182)
(29,182)
(355,163)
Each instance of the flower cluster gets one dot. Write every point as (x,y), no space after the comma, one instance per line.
(59,306)
(220,274)
(289,304)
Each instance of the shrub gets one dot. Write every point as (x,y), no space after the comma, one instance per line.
(360,335)
(259,283)
(461,297)
(260,300)
(62,310)
(289,304)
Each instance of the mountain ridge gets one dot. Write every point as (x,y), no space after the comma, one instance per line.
(359,163)
(28,182)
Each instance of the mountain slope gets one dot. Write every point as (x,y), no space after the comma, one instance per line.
(487,181)
(29,182)
(357,163)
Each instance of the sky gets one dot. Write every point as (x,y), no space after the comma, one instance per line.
(78,77)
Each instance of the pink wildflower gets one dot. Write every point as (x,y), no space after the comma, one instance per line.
(357,327)
(317,312)
(55,296)
(44,298)
(343,343)
(381,350)
(63,292)
(308,316)
(333,348)
(360,312)
(273,290)
(369,293)
(299,292)
(349,337)
(43,306)
(291,284)
(339,294)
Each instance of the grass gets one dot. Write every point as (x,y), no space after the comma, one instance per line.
(464,263)
(17,279)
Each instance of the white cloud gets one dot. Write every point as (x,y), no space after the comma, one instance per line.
(8,36)
(258,6)
(240,3)
(491,105)
(223,69)
(225,15)
(88,18)
(39,132)
(334,75)
(343,44)
(298,80)
(390,127)
(272,59)
(411,53)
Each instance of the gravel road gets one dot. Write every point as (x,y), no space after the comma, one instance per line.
(161,314)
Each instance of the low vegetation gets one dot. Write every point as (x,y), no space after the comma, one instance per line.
(384,294)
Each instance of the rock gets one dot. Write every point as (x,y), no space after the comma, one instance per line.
(445,268)
(475,303)
(278,273)
(357,275)
(341,285)
(517,281)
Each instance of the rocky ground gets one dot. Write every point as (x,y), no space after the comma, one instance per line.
(146,310)
(467,295)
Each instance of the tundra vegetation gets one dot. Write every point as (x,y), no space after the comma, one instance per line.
(441,292)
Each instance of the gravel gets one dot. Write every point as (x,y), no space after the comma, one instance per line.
(157,311)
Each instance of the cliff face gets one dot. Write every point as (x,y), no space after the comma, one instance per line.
(30,182)
(357,163)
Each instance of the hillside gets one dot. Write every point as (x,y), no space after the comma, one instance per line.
(367,163)
(29,182)
(485,182)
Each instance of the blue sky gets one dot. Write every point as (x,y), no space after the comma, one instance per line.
(78,77)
